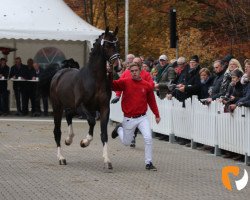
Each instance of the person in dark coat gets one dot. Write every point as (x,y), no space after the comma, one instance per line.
(245,100)
(18,72)
(235,90)
(214,91)
(206,82)
(38,96)
(29,88)
(4,94)
(191,85)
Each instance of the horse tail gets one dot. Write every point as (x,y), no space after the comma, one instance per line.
(45,78)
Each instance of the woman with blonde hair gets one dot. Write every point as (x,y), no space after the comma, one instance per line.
(232,66)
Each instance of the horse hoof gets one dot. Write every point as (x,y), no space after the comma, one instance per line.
(67,143)
(62,162)
(82,144)
(108,167)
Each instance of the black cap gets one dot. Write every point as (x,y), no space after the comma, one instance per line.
(227,58)
(195,58)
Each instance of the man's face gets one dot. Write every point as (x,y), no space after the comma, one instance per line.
(193,64)
(130,58)
(18,61)
(163,62)
(135,72)
(217,67)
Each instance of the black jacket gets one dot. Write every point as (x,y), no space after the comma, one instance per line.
(204,87)
(192,82)
(5,73)
(216,85)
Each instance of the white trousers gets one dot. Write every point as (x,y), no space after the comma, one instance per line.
(126,133)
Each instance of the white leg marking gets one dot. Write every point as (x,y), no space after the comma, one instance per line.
(59,155)
(87,140)
(105,153)
(69,139)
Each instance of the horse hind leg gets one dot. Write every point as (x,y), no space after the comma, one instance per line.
(69,139)
(58,133)
(91,121)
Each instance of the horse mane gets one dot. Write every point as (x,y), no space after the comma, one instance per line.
(95,48)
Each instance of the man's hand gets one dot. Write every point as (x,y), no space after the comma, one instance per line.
(115,100)
(157,119)
(232,107)
(182,88)
(209,100)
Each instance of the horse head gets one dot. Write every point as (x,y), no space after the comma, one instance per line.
(110,45)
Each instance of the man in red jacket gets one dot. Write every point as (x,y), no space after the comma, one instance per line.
(137,95)
(126,74)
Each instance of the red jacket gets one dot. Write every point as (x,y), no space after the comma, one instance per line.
(144,75)
(137,95)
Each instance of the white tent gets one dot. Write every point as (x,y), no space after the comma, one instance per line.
(45,30)
(29,23)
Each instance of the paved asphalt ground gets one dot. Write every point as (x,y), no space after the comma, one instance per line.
(29,168)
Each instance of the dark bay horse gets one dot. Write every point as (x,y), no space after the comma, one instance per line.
(83,91)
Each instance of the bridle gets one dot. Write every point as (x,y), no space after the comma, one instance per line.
(114,56)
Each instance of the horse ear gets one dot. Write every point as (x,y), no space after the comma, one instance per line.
(107,30)
(116,30)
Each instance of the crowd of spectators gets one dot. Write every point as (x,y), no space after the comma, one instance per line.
(25,86)
(182,78)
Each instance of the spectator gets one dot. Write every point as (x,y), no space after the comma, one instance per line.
(180,71)
(245,100)
(235,90)
(130,58)
(191,84)
(233,65)
(146,65)
(206,82)
(167,77)
(28,89)
(215,90)
(38,97)
(136,92)
(226,60)
(4,94)
(163,63)
(17,73)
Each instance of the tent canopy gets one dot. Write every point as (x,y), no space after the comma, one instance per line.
(43,20)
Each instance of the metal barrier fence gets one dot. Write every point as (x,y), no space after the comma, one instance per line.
(208,125)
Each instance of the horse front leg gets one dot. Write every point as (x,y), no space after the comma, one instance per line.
(104,117)
(91,121)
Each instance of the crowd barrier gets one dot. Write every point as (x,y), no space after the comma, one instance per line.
(208,125)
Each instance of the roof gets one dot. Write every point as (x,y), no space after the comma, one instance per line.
(43,20)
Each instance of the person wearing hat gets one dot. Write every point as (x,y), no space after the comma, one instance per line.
(161,66)
(191,84)
(226,60)
(4,75)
